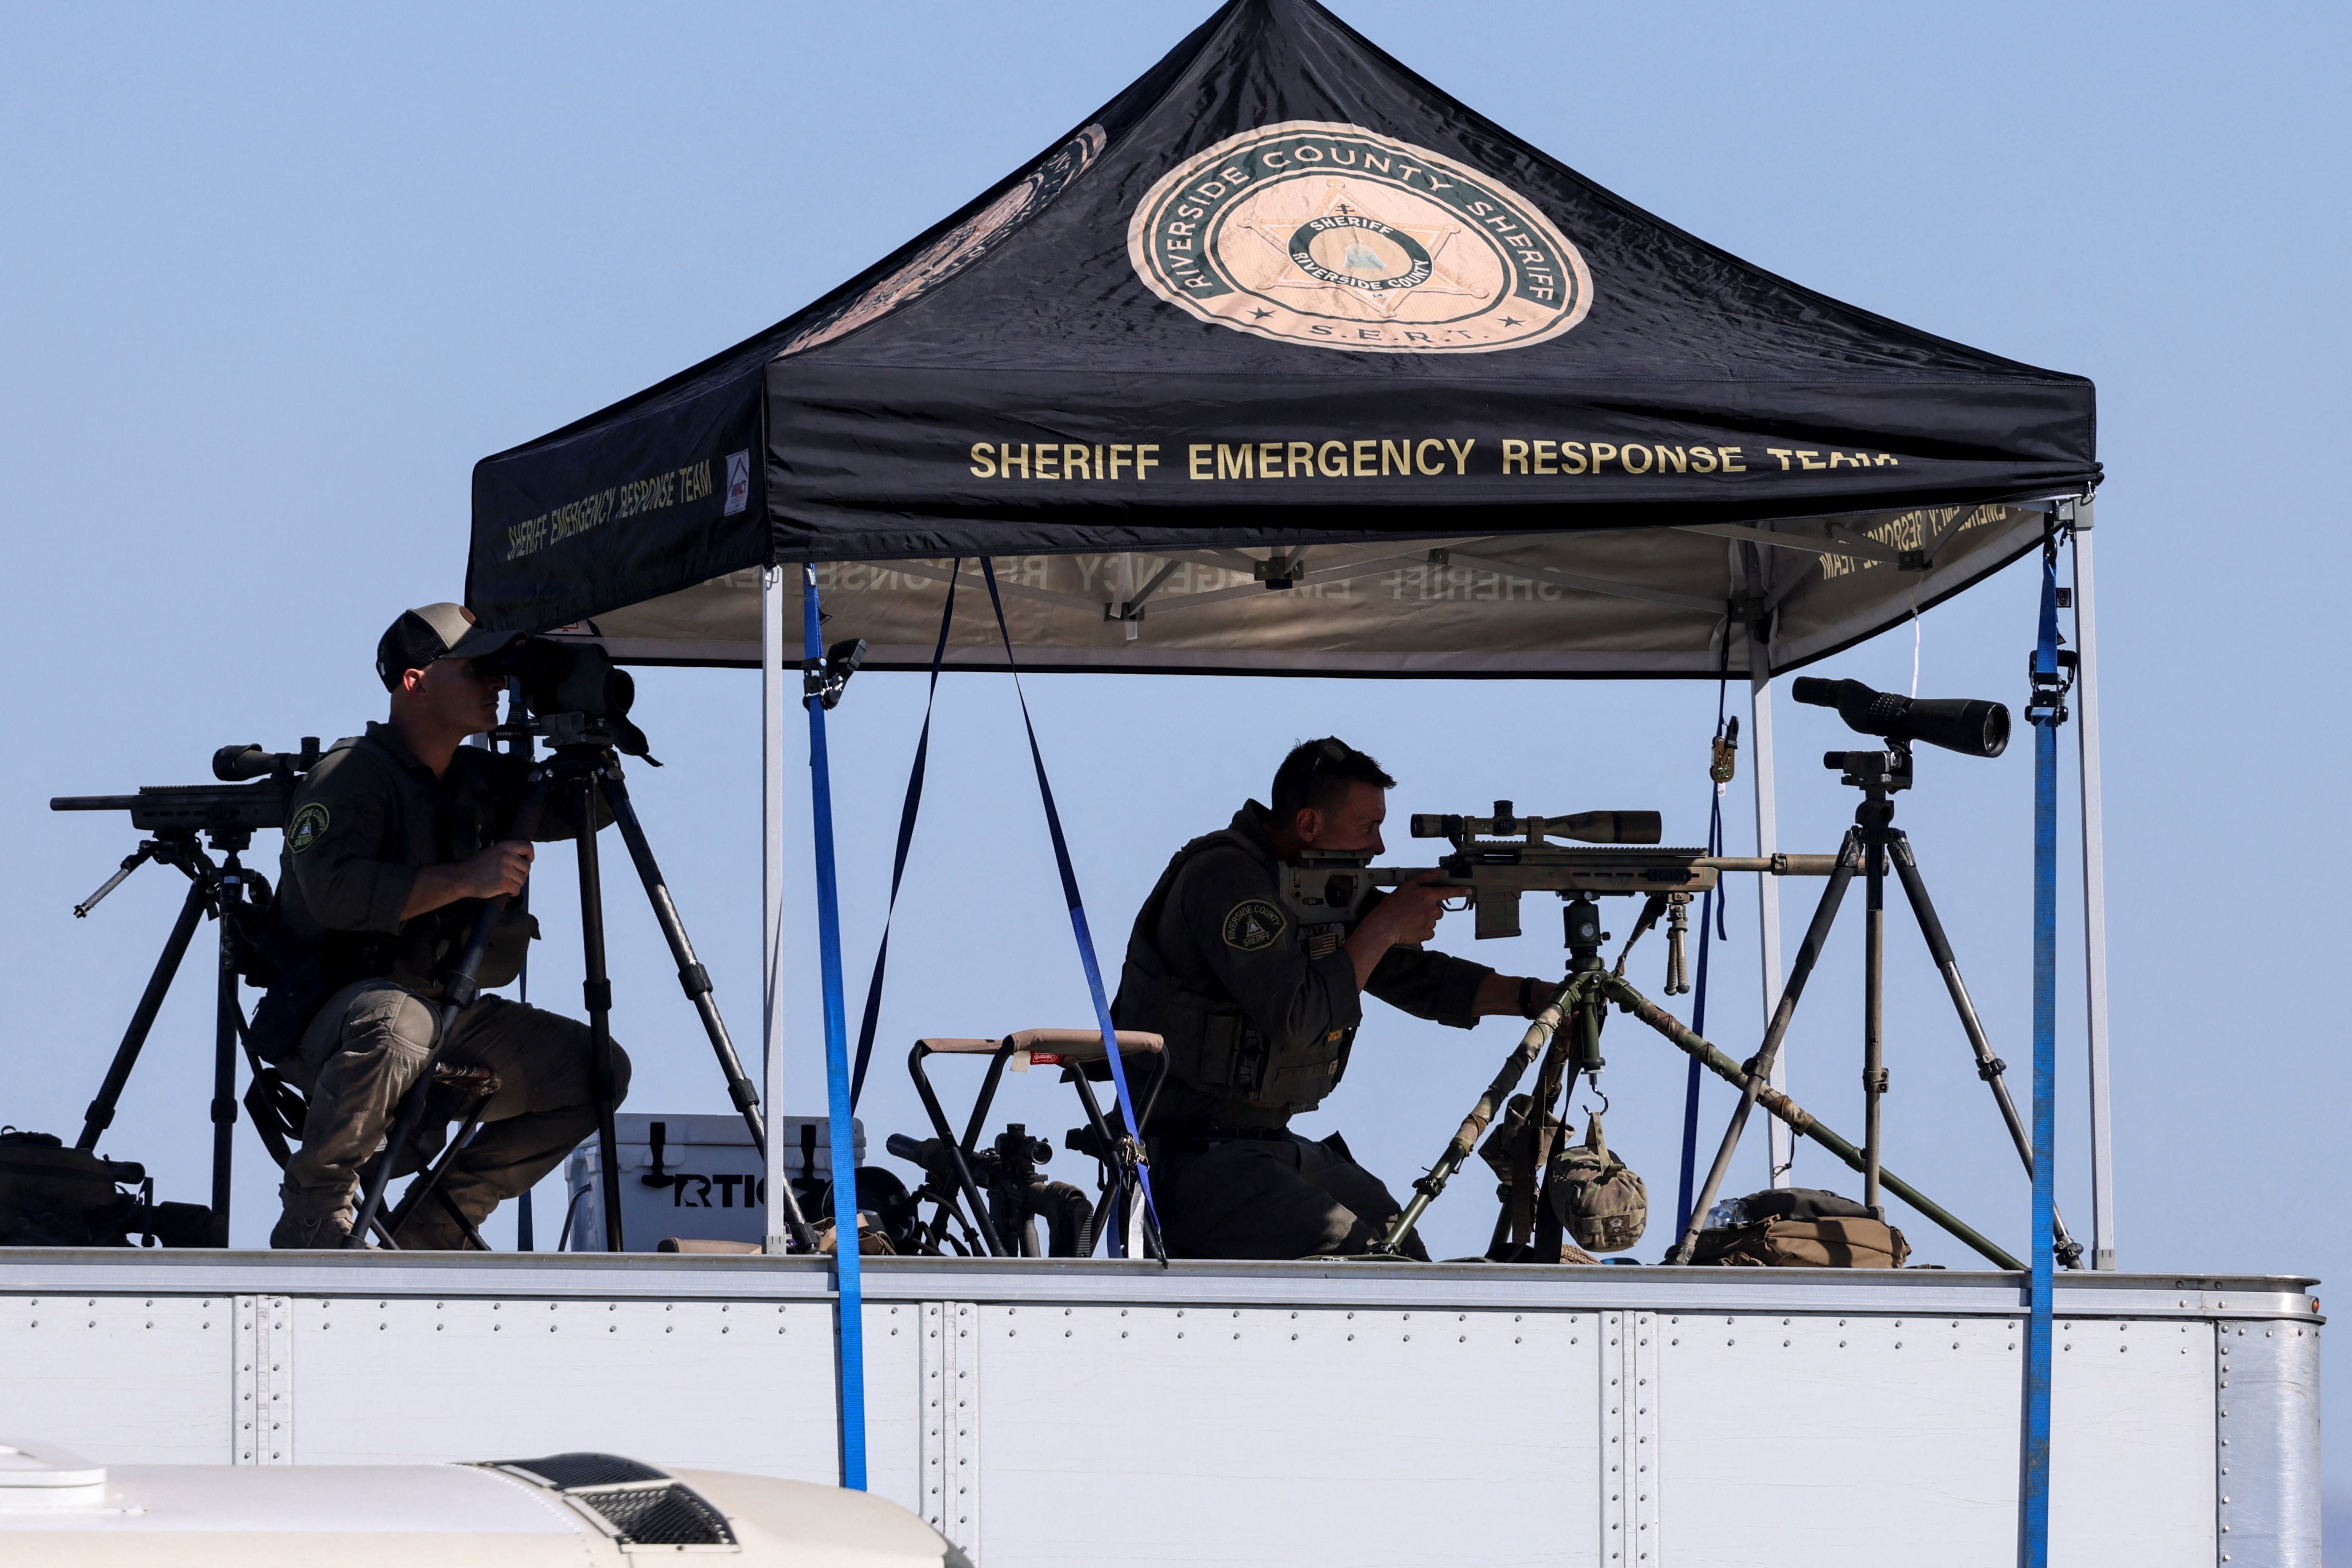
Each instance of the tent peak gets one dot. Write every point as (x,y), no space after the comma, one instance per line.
(1281,291)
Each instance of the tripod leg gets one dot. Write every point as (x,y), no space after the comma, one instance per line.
(1474,1126)
(378,1173)
(1798,1120)
(598,991)
(380,1224)
(391,1223)
(1548,1232)
(1849,860)
(1989,1065)
(1115,1173)
(458,994)
(428,1182)
(1873,1014)
(696,982)
(101,1114)
(1585,1060)
(229,1022)
(975,1199)
(1527,1169)
(1123,1179)
(1499,1243)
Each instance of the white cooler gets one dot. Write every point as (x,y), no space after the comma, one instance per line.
(712,1183)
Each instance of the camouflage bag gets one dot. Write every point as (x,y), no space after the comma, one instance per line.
(1596,1198)
(1508,1141)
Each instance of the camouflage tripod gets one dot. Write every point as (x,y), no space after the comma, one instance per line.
(1583,1001)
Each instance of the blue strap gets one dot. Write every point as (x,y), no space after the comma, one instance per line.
(848,1284)
(1710,916)
(1077,914)
(907,814)
(2047,715)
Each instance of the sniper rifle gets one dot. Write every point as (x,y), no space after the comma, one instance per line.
(1497,859)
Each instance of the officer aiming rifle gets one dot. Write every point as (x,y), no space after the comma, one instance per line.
(1260,1007)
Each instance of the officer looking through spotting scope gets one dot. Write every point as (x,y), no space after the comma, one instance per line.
(393,840)
(1260,1011)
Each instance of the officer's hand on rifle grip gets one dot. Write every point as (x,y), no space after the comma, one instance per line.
(1405,918)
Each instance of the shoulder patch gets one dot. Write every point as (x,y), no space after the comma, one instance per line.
(309,825)
(1252,925)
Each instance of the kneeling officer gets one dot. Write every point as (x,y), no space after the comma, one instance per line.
(393,838)
(1259,1016)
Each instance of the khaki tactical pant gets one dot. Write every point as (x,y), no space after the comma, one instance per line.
(360,1055)
(1271,1199)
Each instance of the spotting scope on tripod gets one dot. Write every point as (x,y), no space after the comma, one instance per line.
(1973,728)
(573,696)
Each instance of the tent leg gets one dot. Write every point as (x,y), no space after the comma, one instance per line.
(1767,888)
(2094,899)
(771,890)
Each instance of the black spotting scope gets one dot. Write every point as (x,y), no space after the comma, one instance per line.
(571,678)
(1967,725)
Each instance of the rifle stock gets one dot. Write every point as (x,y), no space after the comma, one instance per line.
(1490,878)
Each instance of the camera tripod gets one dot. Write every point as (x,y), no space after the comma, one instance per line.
(1870,845)
(220,889)
(585,771)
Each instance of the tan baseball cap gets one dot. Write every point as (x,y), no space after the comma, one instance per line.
(431,632)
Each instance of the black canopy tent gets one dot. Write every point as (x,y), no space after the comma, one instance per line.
(1284,362)
(1283,315)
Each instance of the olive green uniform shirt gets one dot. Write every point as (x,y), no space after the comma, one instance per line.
(1215,929)
(364,820)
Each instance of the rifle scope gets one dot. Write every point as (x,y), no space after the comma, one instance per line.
(1587,827)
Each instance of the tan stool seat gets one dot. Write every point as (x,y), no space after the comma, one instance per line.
(1046,1048)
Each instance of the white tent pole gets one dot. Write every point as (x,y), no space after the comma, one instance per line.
(2094,899)
(1767,887)
(771,886)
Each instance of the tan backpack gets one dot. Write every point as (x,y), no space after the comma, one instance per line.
(1595,1196)
(1799,1227)
(1804,1244)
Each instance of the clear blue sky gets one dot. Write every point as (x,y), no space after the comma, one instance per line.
(275,278)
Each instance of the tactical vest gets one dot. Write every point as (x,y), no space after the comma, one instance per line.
(1213,1048)
(464,821)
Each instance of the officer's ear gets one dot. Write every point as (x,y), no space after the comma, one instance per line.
(1308,825)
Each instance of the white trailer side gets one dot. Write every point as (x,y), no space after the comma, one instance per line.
(1053,1412)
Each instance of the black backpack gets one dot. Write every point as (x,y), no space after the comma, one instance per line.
(51,1196)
